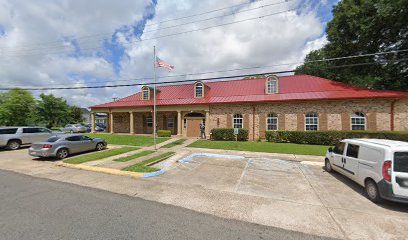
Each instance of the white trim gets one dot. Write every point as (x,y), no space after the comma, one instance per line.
(318,121)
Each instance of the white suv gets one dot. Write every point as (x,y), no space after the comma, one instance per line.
(13,137)
(381,166)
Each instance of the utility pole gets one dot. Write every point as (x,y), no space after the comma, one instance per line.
(154,98)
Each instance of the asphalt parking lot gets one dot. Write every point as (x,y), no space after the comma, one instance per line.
(294,195)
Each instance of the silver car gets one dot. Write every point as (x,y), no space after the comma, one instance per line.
(64,145)
(13,137)
(74,128)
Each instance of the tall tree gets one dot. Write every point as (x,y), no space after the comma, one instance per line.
(75,114)
(361,27)
(52,111)
(16,108)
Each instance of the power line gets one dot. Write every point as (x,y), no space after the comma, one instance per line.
(168,35)
(193,80)
(147,25)
(253,67)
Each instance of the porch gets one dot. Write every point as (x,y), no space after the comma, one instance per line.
(180,121)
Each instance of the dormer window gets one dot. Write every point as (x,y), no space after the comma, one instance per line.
(145,93)
(199,90)
(272,85)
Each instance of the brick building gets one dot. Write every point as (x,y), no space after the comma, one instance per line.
(298,102)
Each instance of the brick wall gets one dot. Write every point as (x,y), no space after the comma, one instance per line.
(121,122)
(333,115)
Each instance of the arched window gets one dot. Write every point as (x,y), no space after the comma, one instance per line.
(272,122)
(272,85)
(145,93)
(198,90)
(238,120)
(311,121)
(358,121)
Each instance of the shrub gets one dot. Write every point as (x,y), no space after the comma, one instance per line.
(329,137)
(227,134)
(242,134)
(164,133)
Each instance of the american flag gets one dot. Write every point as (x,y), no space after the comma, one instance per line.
(163,64)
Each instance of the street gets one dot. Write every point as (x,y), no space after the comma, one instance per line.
(35,208)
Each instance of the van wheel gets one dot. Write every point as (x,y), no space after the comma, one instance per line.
(372,191)
(62,153)
(327,165)
(13,145)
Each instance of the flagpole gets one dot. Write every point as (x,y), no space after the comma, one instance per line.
(154,98)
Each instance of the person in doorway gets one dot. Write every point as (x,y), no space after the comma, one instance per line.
(202,130)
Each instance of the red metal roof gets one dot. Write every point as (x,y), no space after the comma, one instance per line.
(291,88)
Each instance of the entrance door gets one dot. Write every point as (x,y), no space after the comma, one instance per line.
(193,127)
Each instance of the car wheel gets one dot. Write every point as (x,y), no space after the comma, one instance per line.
(13,145)
(327,165)
(372,191)
(62,153)
(99,146)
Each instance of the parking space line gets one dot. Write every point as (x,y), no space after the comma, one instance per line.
(242,175)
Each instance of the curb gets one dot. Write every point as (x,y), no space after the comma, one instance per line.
(101,170)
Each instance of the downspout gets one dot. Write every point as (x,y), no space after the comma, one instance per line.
(392,112)
(253,122)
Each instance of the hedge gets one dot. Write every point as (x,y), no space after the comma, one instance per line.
(164,133)
(227,134)
(329,137)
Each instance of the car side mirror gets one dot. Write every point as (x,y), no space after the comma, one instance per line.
(330,149)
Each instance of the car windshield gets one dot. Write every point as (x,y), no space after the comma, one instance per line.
(401,162)
(53,139)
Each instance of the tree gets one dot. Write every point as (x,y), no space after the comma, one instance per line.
(361,27)
(52,111)
(16,108)
(75,114)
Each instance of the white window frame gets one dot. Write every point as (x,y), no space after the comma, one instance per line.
(355,118)
(146,90)
(272,117)
(238,121)
(149,119)
(272,86)
(170,122)
(311,120)
(201,87)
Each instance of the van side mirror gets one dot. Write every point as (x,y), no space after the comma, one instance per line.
(330,149)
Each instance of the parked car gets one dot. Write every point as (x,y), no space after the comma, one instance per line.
(14,137)
(88,127)
(73,128)
(64,145)
(379,165)
(100,127)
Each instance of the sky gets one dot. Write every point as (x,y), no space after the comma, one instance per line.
(73,43)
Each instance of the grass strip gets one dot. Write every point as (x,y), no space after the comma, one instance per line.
(175,143)
(142,166)
(129,140)
(134,156)
(268,147)
(99,155)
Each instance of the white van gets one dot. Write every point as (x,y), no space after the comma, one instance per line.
(379,165)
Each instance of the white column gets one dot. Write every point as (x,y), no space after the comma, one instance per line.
(93,122)
(111,122)
(179,123)
(132,126)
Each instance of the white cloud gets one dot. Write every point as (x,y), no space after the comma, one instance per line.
(272,40)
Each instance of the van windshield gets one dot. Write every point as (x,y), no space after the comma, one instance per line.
(401,162)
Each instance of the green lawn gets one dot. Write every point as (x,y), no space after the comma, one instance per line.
(137,155)
(175,143)
(268,147)
(127,139)
(99,155)
(141,167)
